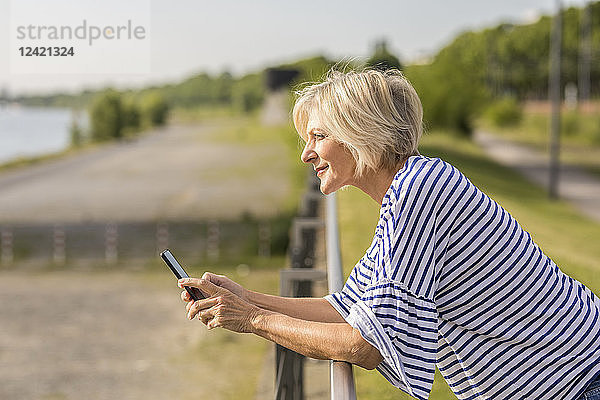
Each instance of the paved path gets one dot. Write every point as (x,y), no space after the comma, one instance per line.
(175,173)
(76,335)
(575,185)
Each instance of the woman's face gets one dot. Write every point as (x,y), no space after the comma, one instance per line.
(331,160)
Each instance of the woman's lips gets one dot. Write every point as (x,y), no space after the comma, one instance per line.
(320,171)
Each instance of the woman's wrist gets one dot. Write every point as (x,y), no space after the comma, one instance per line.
(248,295)
(258,320)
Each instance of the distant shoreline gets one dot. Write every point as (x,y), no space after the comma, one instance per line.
(31,134)
(26,161)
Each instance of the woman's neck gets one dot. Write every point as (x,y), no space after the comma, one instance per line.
(376,183)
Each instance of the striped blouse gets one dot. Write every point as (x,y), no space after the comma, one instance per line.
(451,280)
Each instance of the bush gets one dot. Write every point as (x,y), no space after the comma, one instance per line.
(504,112)
(450,99)
(382,58)
(154,109)
(114,115)
(106,116)
(248,93)
(570,123)
(595,132)
(76,134)
(131,116)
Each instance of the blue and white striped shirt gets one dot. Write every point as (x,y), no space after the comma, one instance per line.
(452,280)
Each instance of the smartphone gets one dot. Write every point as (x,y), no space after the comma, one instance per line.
(179,272)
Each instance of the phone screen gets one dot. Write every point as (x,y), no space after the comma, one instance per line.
(179,272)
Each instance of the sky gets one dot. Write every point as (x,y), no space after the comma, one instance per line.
(184,37)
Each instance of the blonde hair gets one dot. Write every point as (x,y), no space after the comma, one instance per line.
(376,114)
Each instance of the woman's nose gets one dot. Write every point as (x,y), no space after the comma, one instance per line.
(308,154)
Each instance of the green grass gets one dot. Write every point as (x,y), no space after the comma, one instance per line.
(567,237)
(202,114)
(226,365)
(27,161)
(236,361)
(247,131)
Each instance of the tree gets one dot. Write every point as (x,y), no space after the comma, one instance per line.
(382,58)
(132,118)
(452,88)
(154,109)
(76,133)
(248,92)
(106,116)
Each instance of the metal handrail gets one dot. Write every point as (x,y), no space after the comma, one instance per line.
(342,378)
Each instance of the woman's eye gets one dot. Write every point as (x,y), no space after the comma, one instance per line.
(319,136)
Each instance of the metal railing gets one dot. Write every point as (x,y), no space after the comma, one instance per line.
(297,282)
(97,243)
(341,375)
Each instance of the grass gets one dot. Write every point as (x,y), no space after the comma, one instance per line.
(221,365)
(580,136)
(27,161)
(567,237)
(225,365)
(236,360)
(247,131)
(202,114)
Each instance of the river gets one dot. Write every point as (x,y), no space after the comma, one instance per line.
(33,131)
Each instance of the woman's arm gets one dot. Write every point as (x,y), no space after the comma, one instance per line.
(322,340)
(307,308)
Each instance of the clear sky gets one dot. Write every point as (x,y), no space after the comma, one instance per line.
(188,36)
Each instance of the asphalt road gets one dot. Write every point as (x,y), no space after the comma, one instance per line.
(575,185)
(175,173)
(69,335)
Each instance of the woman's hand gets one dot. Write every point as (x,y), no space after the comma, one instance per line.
(222,308)
(224,282)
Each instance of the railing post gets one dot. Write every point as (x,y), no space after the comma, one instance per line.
(6,246)
(342,378)
(111,239)
(297,282)
(162,236)
(59,244)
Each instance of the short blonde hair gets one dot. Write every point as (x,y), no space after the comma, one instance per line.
(376,114)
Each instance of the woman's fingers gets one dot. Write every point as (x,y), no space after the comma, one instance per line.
(209,276)
(210,315)
(219,280)
(188,306)
(194,307)
(208,288)
(222,307)
(225,282)
(193,282)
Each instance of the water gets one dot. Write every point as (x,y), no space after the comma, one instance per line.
(29,131)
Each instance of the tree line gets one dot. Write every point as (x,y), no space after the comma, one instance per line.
(507,63)
(499,67)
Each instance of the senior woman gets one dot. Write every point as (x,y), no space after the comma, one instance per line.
(450,279)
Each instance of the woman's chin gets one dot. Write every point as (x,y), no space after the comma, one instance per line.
(327,188)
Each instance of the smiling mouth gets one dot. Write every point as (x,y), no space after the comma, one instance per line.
(321,170)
